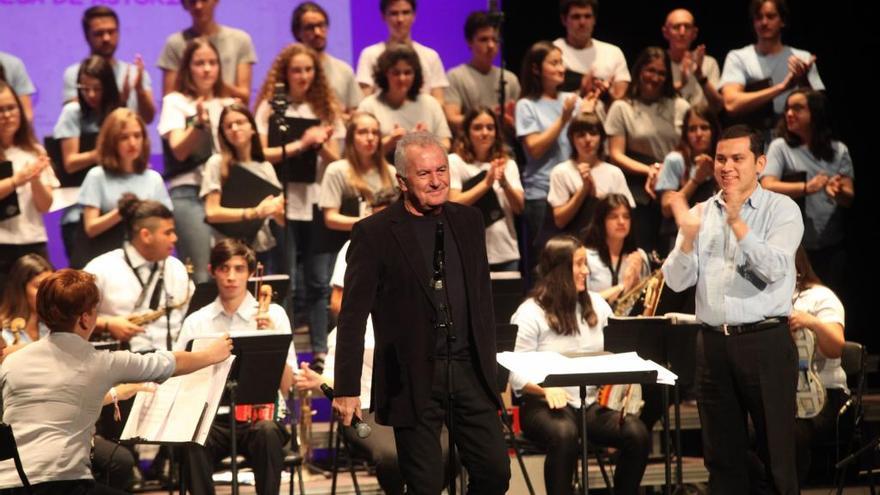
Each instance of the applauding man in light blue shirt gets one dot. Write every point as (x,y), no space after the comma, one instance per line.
(738,249)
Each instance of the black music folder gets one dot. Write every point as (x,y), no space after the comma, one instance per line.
(572,81)
(797,177)
(244,189)
(488,204)
(9,205)
(203,150)
(87,142)
(304,166)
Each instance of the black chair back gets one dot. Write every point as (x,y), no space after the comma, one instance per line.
(9,450)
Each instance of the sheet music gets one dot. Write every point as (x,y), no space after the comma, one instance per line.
(181,410)
(536,366)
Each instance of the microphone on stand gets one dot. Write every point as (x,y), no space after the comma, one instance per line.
(361,429)
(439,256)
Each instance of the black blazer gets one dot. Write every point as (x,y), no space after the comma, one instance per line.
(388,277)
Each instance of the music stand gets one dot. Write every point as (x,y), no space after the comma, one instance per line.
(582,380)
(254,378)
(654,339)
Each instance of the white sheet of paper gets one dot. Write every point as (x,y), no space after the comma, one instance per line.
(536,366)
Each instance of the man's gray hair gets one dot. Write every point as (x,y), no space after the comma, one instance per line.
(420,139)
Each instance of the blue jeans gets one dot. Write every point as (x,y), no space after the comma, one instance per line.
(193,234)
(317,268)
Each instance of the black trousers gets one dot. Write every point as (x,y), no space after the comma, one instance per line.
(558,430)
(382,450)
(260,443)
(112,464)
(740,377)
(73,487)
(478,437)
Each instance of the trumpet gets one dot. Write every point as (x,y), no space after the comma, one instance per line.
(650,287)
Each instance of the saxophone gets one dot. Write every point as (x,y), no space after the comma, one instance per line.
(16,326)
(142,319)
(650,288)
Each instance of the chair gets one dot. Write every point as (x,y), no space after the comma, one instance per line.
(9,450)
(293,462)
(340,442)
(852,360)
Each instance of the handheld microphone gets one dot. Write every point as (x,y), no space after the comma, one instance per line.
(361,429)
(439,256)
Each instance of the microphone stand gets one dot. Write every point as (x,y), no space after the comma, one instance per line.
(496,16)
(279,105)
(443,323)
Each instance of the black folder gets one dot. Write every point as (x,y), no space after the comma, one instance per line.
(572,81)
(203,150)
(796,177)
(488,204)
(304,166)
(87,141)
(9,205)
(761,119)
(244,189)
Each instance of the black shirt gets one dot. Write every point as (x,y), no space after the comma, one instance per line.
(425,230)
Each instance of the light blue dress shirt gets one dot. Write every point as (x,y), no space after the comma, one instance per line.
(743,281)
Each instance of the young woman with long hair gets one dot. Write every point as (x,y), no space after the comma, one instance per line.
(240,147)
(806,146)
(20,300)
(97,96)
(690,169)
(643,128)
(299,70)
(188,126)
(30,178)
(562,315)
(123,154)
(616,263)
(480,150)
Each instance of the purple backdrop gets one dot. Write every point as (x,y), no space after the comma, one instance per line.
(49,38)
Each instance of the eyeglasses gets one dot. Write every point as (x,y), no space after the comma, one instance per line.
(314,27)
(9,109)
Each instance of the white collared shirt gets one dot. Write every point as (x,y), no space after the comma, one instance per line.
(120,291)
(52,393)
(213,320)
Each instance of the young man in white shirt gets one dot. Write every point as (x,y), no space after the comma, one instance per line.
(601,63)
(399,16)
(142,277)
(259,436)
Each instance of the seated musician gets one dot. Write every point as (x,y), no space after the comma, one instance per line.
(815,307)
(141,281)
(616,264)
(259,437)
(562,315)
(53,388)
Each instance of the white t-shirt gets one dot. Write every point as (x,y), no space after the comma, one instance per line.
(176,108)
(822,303)
(534,334)
(604,60)
(424,109)
(433,74)
(340,77)
(501,244)
(745,65)
(301,197)
(27,227)
(651,130)
(565,181)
